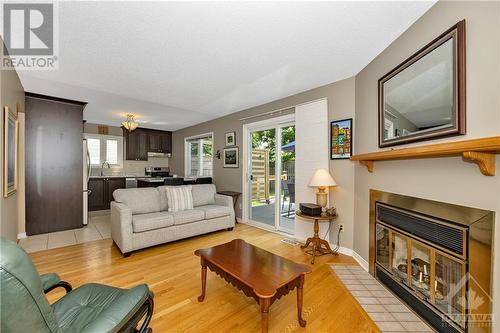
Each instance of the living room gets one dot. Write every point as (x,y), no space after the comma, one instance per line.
(203,161)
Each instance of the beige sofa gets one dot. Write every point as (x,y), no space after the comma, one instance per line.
(140,216)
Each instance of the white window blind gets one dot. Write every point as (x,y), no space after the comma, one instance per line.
(94,148)
(112,151)
(199,156)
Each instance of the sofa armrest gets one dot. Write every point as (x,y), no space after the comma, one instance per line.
(225,200)
(121,226)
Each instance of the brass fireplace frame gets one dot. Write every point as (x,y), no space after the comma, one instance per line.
(480,226)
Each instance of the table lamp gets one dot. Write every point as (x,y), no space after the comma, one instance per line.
(322,179)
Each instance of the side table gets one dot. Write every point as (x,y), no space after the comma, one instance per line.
(317,242)
(235,196)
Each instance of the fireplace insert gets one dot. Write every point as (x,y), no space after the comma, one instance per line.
(436,257)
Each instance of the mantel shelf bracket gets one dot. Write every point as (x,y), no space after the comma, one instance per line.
(485,161)
(368,164)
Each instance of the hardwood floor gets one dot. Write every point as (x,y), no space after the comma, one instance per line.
(173,273)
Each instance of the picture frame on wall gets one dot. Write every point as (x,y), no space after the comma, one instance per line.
(341,137)
(230,138)
(231,157)
(10,152)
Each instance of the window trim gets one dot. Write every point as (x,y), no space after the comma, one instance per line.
(102,156)
(187,160)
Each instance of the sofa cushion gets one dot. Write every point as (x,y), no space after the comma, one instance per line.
(215,211)
(203,194)
(163,197)
(188,216)
(151,221)
(179,198)
(139,200)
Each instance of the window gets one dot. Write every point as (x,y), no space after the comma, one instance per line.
(105,148)
(199,156)
(94,148)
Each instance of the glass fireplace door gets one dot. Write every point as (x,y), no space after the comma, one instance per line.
(400,257)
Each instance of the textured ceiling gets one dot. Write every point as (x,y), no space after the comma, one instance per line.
(176,64)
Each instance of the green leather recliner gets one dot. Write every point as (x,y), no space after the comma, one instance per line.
(91,308)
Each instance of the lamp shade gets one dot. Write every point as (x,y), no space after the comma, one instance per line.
(322,178)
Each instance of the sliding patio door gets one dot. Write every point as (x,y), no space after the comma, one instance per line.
(269,196)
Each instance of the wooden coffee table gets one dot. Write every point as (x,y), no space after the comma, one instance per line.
(258,273)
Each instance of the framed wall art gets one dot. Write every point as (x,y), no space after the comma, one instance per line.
(341,139)
(231,158)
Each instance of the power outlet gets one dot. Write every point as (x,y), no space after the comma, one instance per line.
(341,228)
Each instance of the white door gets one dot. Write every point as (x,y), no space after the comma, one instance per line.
(269,173)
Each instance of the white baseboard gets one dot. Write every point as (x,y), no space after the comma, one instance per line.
(362,262)
(21,235)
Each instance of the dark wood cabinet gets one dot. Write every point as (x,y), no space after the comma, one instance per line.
(54,162)
(97,194)
(142,140)
(166,142)
(136,144)
(155,141)
(159,141)
(101,191)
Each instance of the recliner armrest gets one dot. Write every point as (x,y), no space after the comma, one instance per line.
(120,311)
(50,281)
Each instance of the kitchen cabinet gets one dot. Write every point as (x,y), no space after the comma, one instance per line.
(142,140)
(136,144)
(101,191)
(159,141)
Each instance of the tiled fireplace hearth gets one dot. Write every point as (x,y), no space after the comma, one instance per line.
(436,257)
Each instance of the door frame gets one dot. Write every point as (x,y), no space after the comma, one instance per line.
(275,122)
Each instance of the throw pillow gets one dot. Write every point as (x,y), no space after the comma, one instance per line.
(179,198)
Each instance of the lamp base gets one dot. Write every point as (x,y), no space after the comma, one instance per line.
(322,198)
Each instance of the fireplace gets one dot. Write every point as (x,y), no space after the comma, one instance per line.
(437,257)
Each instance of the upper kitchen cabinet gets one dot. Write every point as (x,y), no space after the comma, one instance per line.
(141,141)
(160,142)
(136,144)
(54,164)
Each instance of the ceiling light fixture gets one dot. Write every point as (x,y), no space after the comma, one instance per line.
(130,124)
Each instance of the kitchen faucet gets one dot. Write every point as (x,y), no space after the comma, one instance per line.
(102,167)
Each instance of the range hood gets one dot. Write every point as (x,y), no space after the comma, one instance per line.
(153,154)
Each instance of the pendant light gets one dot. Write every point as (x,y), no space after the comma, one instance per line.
(130,124)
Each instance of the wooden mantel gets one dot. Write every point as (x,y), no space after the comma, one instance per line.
(480,151)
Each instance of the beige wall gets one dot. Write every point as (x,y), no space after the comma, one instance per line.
(129,167)
(340,97)
(12,95)
(443,179)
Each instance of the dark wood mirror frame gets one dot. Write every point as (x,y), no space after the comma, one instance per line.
(456,32)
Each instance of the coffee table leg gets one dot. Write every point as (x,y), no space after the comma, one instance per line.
(264,310)
(300,298)
(203,281)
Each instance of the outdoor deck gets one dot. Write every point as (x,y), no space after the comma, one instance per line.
(266,214)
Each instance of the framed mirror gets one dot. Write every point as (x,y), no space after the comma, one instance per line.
(424,97)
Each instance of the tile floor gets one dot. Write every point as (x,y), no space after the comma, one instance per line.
(98,228)
(387,311)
